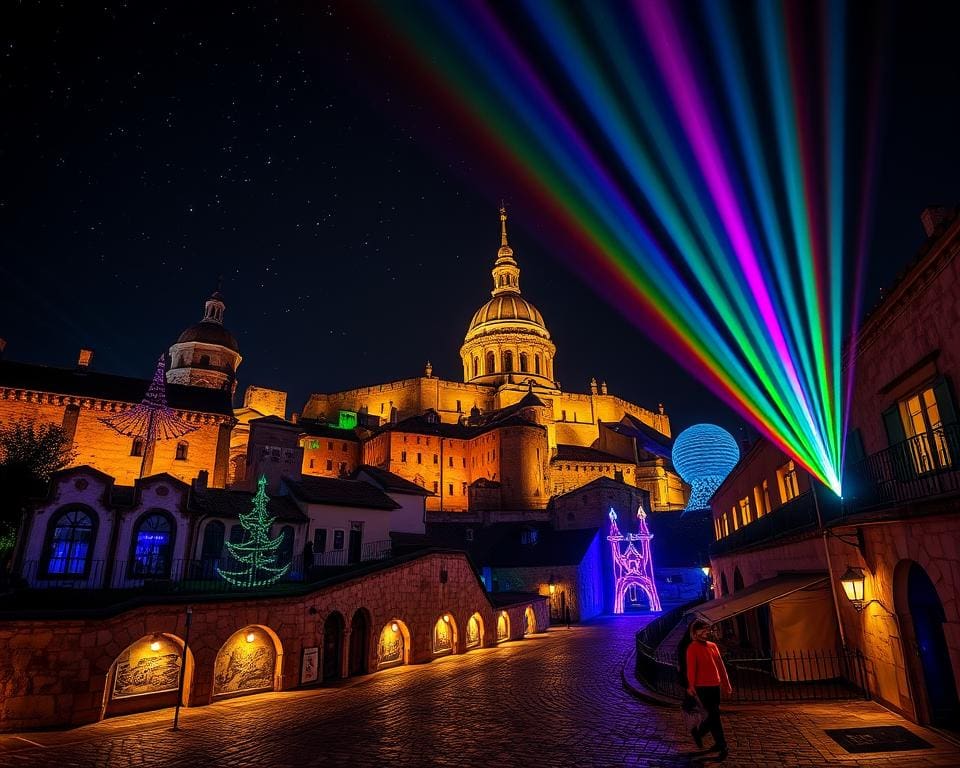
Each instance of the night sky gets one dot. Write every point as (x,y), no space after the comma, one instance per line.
(146,149)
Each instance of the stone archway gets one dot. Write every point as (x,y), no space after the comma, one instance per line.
(393,645)
(359,654)
(333,632)
(444,636)
(474,634)
(146,675)
(925,650)
(249,662)
(529,621)
(503,627)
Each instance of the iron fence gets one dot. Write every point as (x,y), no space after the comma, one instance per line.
(920,466)
(186,576)
(789,676)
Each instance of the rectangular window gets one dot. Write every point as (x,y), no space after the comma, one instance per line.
(436,459)
(403,456)
(463,488)
(766,498)
(745,514)
(787,480)
(320,540)
(314,444)
(450,489)
(329,465)
(459,409)
(329,445)
(923,428)
(419,458)
(436,487)
(338,538)
(311,463)
(450,461)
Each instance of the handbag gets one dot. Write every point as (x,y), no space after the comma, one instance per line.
(694,713)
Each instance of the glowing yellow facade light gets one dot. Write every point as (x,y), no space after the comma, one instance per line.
(155,646)
(395,627)
(446,617)
(250,637)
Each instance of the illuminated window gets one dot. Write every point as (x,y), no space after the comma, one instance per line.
(71,539)
(152,546)
(787,480)
(314,444)
(766,497)
(745,514)
(735,517)
(922,423)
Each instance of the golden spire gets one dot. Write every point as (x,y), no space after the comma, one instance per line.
(503,224)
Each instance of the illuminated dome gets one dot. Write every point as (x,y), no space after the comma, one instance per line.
(704,455)
(507,341)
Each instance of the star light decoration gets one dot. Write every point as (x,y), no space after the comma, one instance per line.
(152,419)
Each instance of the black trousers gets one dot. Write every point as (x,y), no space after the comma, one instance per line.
(710,698)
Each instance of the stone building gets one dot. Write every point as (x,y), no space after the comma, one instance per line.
(78,398)
(894,538)
(206,354)
(507,356)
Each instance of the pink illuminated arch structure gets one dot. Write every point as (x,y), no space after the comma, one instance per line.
(632,567)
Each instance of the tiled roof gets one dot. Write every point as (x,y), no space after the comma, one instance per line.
(582,453)
(81,382)
(220,502)
(604,482)
(647,438)
(339,492)
(388,481)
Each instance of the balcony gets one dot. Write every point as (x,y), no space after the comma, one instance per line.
(919,468)
(796,516)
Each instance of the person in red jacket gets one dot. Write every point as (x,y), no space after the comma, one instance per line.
(706,677)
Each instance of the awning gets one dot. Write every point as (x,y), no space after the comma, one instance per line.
(755,595)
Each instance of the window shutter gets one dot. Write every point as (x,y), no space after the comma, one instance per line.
(894,426)
(942,391)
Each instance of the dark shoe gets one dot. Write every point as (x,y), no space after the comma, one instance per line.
(697,738)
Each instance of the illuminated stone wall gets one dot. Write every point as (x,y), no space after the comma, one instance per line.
(55,672)
(98,446)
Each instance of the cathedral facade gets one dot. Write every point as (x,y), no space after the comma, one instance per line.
(507,436)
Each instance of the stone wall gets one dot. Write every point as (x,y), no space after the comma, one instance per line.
(57,672)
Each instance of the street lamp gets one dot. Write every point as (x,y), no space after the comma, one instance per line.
(853,583)
(706,570)
(551,585)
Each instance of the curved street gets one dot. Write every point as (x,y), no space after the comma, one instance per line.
(553,700)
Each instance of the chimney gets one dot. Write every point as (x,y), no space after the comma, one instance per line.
(294,418)
(932,217)
(200,484)
(85,358)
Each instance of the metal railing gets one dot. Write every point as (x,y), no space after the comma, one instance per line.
(789,676)
(921,466)
(185,576)
(795,516)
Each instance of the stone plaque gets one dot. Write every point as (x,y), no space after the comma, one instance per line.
(245,666)
(141,671)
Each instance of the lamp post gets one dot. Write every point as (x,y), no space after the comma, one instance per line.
(183,670)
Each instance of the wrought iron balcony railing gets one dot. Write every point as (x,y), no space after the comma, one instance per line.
(796,516)
(920,467)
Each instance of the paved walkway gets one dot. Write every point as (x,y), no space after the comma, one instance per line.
(551,700)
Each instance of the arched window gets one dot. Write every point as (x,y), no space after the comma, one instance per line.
(137,447)
(152,546)
(182,448)
(508,361)
(476,367)
(524,362)
(490,366)
(536,364)
(71,541)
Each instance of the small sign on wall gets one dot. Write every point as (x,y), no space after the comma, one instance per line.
(310,665)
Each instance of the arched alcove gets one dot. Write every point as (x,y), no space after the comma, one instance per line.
(474,632)
(248,662)
(444,635)
(146,675)
(503,627)
(393,645)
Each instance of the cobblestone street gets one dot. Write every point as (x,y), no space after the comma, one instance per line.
(550,700)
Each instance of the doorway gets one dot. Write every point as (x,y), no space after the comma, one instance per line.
(359,644)
(332,646)
(355,543)
(927,618)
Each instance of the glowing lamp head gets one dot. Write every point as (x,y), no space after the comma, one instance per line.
(395,627)
(706,570)
(155,646)
(703,455)
(503,613)
(250,637)
(853,582)
(446,618)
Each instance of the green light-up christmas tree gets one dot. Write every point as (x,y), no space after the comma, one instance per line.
(258,551)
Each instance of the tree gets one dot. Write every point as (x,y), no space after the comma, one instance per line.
(257,551)
(29,454)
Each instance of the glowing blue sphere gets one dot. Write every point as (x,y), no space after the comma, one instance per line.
(704,454)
